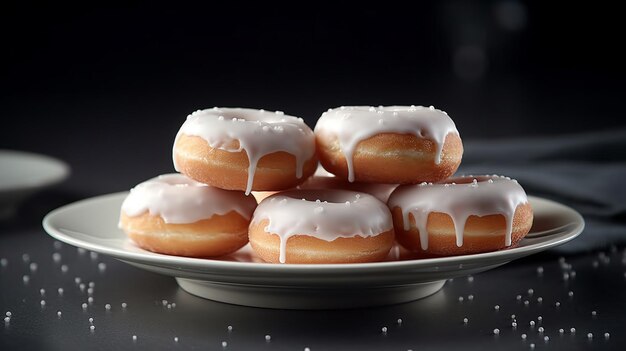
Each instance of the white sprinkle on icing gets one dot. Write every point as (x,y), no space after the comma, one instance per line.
(459,201)
(206,125)
(351,125)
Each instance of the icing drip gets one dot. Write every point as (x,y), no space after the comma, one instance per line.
(258,132)
(353,124)
(460,198)
(323,214)
(178,199)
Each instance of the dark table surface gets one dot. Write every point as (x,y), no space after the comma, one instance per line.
(589,289)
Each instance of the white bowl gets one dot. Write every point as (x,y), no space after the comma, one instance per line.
(23,173)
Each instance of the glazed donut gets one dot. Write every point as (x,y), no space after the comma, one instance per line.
(321,226)
(323,179)
(175,215)
(392,144)
(245,149)
(461,215)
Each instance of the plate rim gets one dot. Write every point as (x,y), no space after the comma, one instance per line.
(207,263)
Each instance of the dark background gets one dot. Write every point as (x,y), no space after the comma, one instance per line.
(108,86)
(105,88)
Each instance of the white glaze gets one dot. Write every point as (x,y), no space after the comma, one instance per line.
(178,199)
(323,214)
(323,179)
(473,195)
(258,132)
(353,124)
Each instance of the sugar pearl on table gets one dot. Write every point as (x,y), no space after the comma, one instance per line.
(176,339)
(230,328)
(384,330)
(268,337)
(134,337)
(524,336)
(607,335)
(496,331)
(224,344)
(465,320)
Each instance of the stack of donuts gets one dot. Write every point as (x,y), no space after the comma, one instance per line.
(386,177)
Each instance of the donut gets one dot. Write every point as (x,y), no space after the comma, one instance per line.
(461,215)
(323,179)
(392,144)
(245,149)
(172,214)
(321,226)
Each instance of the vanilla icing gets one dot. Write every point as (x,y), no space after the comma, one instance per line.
(459,198)
(178,199)
(323,214)
(258,132)
(353,124)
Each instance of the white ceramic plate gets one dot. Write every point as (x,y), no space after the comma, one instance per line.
(23,173)
(242,279)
